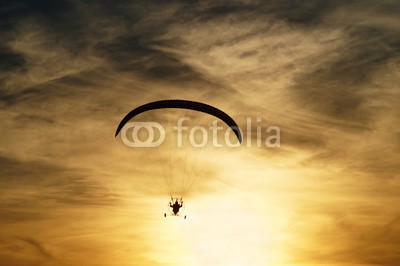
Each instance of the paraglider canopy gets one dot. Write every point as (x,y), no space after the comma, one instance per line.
(182,104)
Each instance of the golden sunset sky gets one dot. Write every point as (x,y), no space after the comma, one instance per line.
(326,73)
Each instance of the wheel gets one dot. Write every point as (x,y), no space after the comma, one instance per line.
(165,215)
(184,217)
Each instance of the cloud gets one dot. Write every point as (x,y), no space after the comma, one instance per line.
(44,183)
(325,72)
(339,87)
(38,246)
(369,237)
(11,60)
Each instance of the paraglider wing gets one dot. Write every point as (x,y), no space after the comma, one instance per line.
(182,104)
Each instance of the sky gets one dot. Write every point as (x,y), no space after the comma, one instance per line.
(326,73)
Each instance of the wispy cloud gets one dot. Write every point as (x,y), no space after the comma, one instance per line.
(325,72)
